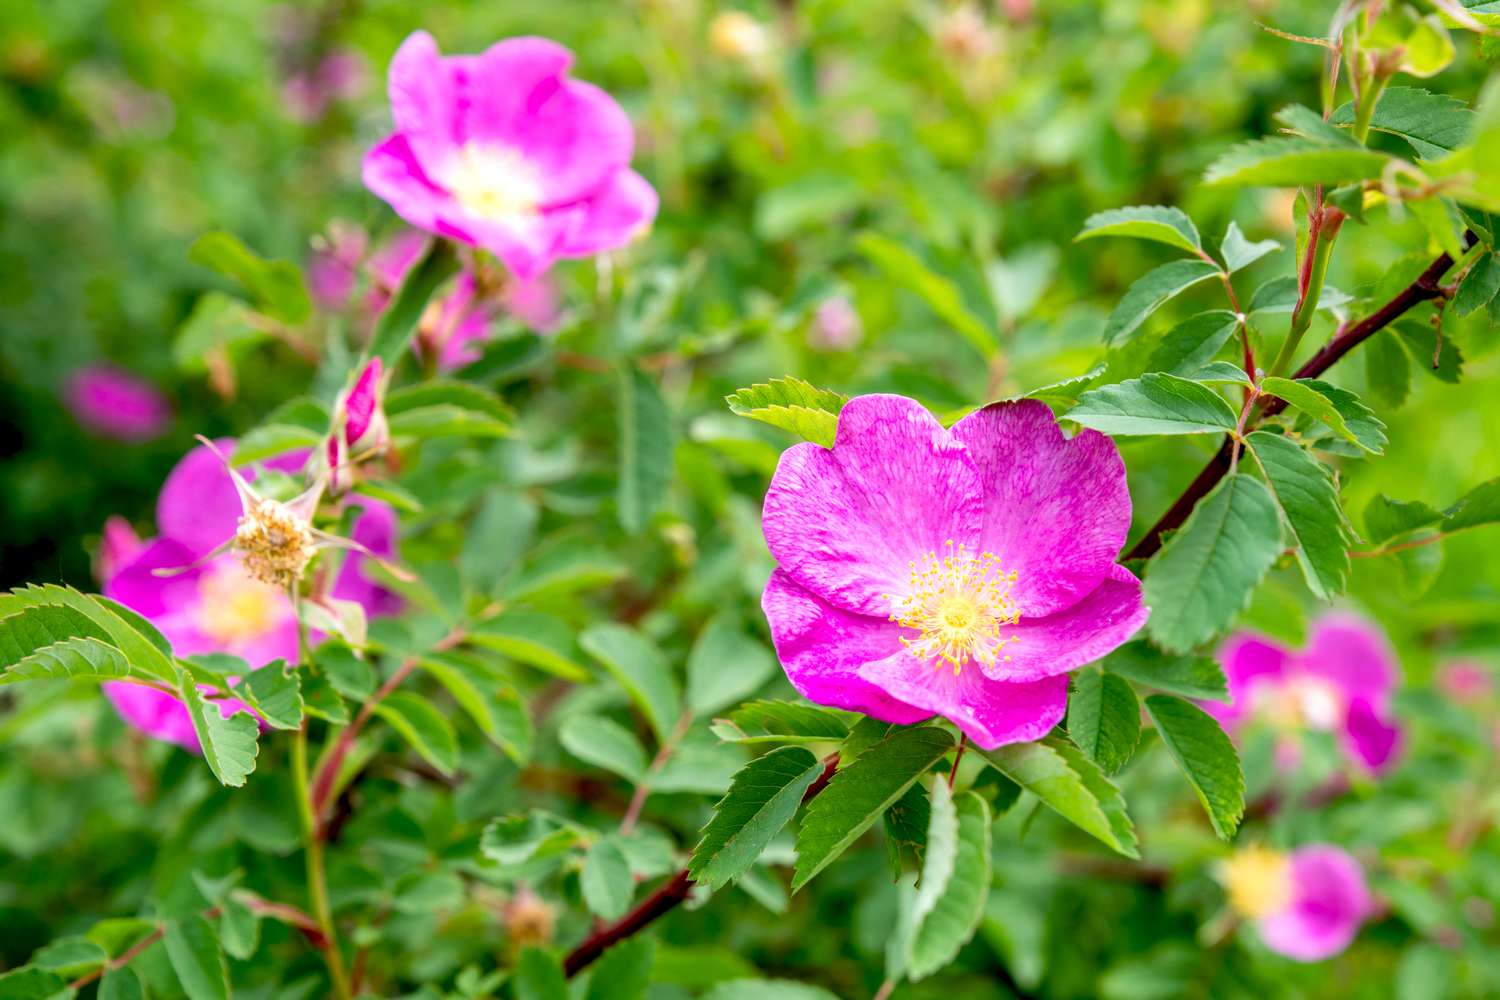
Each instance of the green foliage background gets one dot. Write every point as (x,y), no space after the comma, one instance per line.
(132,128)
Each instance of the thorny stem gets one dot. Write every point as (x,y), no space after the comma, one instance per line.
(1424,288)
(317,882)
(963,741)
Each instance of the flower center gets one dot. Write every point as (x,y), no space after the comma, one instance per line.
(957,604)
(275,544)
(494,183)
(1258,881)
(1303,703)
(235,608)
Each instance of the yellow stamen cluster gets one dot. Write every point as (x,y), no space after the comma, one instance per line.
(957,604)
(1258,881)
(274,543)
(235,608)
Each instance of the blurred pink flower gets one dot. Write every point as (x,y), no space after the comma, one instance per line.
(1465,680)
(835,326)
(210,603)
(956,571)
(504,151)
(340,76)
(1342,682)
(1307,904)
(116,404)
(118,544)
(333,267)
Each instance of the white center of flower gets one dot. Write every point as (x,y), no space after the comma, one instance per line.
(1303,703)
(493,182)
(957,605)
(235,608)
(1258,881)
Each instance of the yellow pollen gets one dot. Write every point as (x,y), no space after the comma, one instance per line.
(1258,881)
(957,604)
(235,608)
(274,543)
(494,183)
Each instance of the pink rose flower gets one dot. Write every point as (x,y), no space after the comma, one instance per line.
(504,151)
(1307,905)
(306,96)
(1465,681)
(213,605)
(115,404)
(960,572)
(333,267)
(1341,683)
(359,424)
(836,325)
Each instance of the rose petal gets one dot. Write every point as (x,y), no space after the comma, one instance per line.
(1056,509)
(847,523)
(392,172)
(137,585)
(1248,662)
(1093,627)
(198,507)
(424,99)
(991,713)
(161,715)
(614,216)
(822,649)
(1330,902)
(1370,739)
(1355,655)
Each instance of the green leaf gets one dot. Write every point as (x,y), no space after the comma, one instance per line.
(229,745)
(1206,572)
(121,984)
(1279,295)
(539,976)
(1221,373)
(1434,124)
(515,840)
(275,285)
(445,407)
(860,792)
(1332,407)
(1150,292)
(423,726)
(605,743)
(140,642)
(606,882)
(1470,170)
(70,956)
(1198,677)
(942,294)
(1206,755)
(1286,162)
(1479,286)
(398,325)
(1479,506)
(1422,341)
(70,659)
(1104,717)
(1306,122)
(1071,785)
(793,405)
(1386,519)
(275,692)
(194,953)
(1239,252)
(641,669)
(905,826)
(27,983)
(784,722)
(955,880)
(1155,403)
(725,665)
(1159,223)
(239,929)
(218,325)
(1193,343)
(536,639)
(1309,502)
(645,471)
(494,707)
(1387,369)
(624,971)
(767,989)
(761,800)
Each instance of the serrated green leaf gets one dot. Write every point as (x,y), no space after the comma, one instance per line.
(1104,717)
(1193,343)
(726,664)
(1155,403)
(1387,369)
(422,726)
(1479,286)
(219,325)
(1306,122)
(70,956)
(762,798)
(1434,124)
(1206,572)
(624,971)
(1278,161)
(121,984)
(943,294)
(1150,292)
(606,881)
(193,950)
(1443,362)
(143,646)
(1071,785)
(1206,755)
(398,325)
(1159,223)
(275,692)
(239,929)
(860,792)
(793,405)
(1386,519)
(71,659)
(641,669)
(1238,252)
(228,745)
(28,983)
(947,910)
(536,639)
(537,835)
(1198,677)
(539,976)
(1332,407)
(1479,506)
(767,989)
(495,708)
(443,407)
(784,722)
(1220,373)
(604,743)
(1304,490)
(645,450)
(905,825)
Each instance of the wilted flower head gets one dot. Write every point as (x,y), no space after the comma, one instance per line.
(1341,683)
(960,572)
(1307,904)
(116,404)
(504,151)
(205,599)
